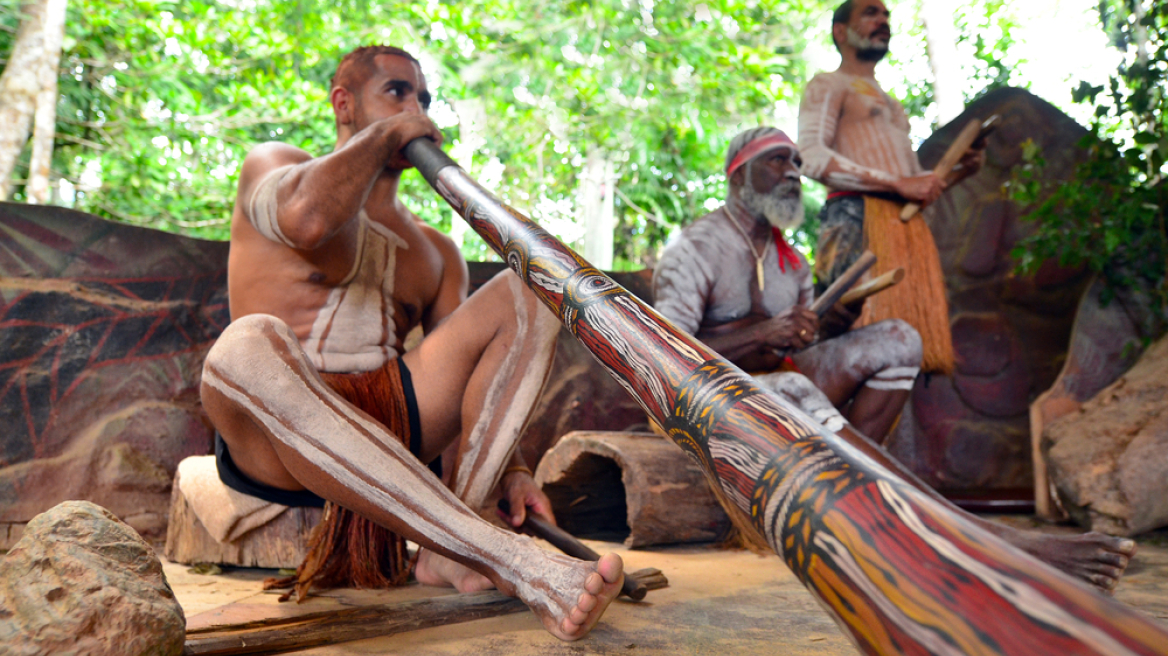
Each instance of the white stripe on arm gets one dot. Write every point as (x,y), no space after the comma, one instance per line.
(262,209)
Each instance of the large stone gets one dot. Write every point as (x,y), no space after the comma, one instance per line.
(1109,460)
(81,582)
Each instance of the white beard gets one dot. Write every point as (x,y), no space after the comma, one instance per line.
(782,209)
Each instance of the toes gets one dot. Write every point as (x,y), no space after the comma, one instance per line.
(1103,582)
(594,584)
(577,616)
(1112,573)
(1127,547)
(568,627)
(586,602)
(1113,559)
(610,566)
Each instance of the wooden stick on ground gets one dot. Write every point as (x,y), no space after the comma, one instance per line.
(972,131)
(344,625)
(636,584)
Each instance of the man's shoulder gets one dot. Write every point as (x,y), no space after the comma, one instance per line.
(439,239)
(267,157)
(702,244)
(829,80)
(713,223)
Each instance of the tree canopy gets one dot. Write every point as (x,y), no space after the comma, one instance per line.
(1111,216)
(160,100)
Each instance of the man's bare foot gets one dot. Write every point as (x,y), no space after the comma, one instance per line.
(570,601)
(1096,558)
(435,569)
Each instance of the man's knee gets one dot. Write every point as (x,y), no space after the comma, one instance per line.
(803,394)
(242,339)
(904,342)
(528,309)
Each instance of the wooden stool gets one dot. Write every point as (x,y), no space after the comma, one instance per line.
(281,543)
(638,488)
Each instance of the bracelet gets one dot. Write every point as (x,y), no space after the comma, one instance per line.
(518,468)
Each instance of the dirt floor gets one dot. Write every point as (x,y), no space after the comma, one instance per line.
(718,602)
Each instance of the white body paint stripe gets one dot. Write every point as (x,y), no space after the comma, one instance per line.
(262,212)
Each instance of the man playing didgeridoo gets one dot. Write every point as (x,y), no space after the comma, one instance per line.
(314,398)
(854,139)
(732,269)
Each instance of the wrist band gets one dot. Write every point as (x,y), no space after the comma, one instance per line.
(519,468)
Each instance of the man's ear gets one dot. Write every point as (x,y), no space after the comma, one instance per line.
(839,33)
(342,102)
(738,177)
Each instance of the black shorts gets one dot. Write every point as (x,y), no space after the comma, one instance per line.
(233,478)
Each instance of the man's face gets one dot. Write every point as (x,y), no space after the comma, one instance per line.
(396,86)
(773,188)
(868,30)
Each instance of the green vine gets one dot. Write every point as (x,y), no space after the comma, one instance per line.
(1110,215)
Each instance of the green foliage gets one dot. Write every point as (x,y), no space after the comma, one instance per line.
(1110,217)
(161,100)
(987,28)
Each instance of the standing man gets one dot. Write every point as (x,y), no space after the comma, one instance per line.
(854,139)
(313,396)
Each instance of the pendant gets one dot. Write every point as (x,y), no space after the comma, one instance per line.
(758,274)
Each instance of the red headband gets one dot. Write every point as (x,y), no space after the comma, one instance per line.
(771,141)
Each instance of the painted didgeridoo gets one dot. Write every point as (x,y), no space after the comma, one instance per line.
(899,573)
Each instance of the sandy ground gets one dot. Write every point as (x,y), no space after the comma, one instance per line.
(718,602)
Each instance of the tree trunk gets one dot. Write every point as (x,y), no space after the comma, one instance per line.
(18,89)
(45,122)
(598,209)
(941,37)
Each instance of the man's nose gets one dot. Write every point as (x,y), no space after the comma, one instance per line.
(413,106)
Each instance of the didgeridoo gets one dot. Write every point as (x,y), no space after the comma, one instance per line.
(898,572)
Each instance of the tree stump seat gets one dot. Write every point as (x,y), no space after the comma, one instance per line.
(280,543)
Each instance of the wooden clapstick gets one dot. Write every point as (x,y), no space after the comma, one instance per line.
(837,289)
(842,284)
(636,584)
(873,286)
(973,131)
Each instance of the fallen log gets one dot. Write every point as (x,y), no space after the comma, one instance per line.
(332,626)
(898,571)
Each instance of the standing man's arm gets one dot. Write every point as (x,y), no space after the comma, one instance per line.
(820,112)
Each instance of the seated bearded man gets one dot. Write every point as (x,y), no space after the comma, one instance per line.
(733,281)
(315,400)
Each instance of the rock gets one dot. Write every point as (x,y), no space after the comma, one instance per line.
(82,582)
(1010,332)
(1108,462)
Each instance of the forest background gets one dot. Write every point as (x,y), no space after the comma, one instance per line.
(603,120)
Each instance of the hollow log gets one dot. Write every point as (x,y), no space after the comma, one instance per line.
(630,487)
